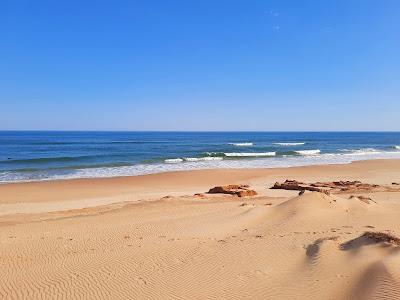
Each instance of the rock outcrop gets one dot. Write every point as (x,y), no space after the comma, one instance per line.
(334,187)
(345,186)
(233,189)
(293,185)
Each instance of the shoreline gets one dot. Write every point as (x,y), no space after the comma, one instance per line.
(175,183)
(182,164)
(199,170)
(105,178)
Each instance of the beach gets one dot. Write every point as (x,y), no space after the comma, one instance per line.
(162,236)
(204,150)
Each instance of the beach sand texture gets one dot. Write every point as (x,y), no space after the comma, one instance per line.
(148,237)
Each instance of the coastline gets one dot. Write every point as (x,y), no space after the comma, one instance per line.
(178,183)
(69,155)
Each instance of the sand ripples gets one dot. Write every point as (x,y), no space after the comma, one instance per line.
(213,248)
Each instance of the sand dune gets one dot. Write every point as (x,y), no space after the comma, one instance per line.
(277,245)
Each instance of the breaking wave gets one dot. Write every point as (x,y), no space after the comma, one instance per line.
(289,144)
(173,160)
(250,154)
(208,158)
(192,159)
(308,152)
(241,144)
(363,151)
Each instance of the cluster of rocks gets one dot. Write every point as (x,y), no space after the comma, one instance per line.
(293,185)
(333,187)
(242,190)
(347,186)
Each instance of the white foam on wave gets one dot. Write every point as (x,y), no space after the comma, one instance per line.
(363,151)
(208,158)
(250,154)
(241,144)
(192,159)
(290,144)
(173,160)
(308,152)
(397,147)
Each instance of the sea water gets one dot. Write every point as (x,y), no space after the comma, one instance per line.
(34,155)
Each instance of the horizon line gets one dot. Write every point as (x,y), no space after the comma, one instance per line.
(200,131)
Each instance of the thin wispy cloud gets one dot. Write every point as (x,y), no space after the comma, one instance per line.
(274,13)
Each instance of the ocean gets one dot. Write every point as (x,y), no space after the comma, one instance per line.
(40,155)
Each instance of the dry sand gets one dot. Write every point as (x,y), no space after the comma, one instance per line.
(119,238)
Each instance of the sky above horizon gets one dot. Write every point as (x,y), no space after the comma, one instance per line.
(200,65)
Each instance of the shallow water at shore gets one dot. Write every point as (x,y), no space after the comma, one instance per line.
(27,156)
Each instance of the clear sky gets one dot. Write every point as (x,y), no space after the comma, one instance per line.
(200,65)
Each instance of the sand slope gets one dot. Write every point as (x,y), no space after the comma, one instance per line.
(217,247)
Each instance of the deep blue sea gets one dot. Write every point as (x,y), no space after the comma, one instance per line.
(29,155)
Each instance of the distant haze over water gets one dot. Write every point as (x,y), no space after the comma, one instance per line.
(28,155)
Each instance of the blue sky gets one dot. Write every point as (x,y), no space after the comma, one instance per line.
(200,65)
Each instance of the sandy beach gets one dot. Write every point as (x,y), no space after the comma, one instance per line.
(200,150)
(151,237)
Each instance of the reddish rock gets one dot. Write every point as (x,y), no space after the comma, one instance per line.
(334,187)
(233,189)
(293,185)
(246,193)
